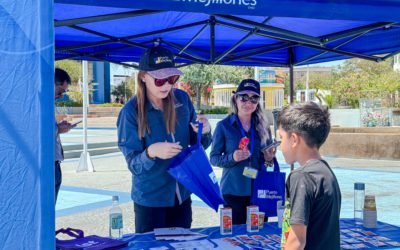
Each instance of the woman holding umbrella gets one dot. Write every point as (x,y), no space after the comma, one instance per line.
(238,141)
(153,127)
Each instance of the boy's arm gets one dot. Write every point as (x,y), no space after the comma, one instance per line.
(297,237)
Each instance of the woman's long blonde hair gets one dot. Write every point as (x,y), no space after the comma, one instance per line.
(260,120)
(168,108)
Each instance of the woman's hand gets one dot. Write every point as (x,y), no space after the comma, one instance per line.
(206,124)
(164,150)
(269,154)
(241,154)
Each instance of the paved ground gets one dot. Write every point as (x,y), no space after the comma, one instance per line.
(85,197)
(90,212)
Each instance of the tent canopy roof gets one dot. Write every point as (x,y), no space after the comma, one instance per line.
(233,32)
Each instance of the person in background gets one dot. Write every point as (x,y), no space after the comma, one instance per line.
(313,198)
(246,125)
(153,127)
(61,81)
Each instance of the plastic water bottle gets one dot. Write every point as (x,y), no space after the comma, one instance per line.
(359,195)
(116,223)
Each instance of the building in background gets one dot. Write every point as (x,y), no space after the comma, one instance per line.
(271,85)
(313,95)
(396,63)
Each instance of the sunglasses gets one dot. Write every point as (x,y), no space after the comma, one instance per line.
(245,98)
(171,80)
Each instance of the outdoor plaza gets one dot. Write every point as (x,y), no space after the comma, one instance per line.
(276,33)
(85,197)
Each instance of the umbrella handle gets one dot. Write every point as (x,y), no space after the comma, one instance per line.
(199,132)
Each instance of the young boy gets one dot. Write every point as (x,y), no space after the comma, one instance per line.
(313,198)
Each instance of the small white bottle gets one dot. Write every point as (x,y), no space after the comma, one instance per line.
(116,223)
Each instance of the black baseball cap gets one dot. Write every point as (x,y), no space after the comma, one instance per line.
(158,62)
(248,86)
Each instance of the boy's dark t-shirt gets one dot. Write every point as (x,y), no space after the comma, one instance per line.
(314,196)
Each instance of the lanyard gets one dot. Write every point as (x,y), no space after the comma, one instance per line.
(244,134)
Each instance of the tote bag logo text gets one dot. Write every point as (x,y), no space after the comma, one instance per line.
(267,194)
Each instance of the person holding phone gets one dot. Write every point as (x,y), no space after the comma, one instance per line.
(238,141)
(61,81)
(153,127)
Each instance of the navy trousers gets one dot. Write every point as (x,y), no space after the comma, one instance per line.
(58,178)
(148,218)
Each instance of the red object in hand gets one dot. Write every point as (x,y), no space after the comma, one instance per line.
(243,143)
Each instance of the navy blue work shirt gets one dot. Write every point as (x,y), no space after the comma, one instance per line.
(152,185)
(226,140)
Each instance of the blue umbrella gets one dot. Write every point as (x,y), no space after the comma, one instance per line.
(193,170)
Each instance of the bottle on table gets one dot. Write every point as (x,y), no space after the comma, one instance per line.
(370,214)
(359,195)
(116,223)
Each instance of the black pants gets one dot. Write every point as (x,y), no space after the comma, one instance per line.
(238,205)
(58,178)
(148,218)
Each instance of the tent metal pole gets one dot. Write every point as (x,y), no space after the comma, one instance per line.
(107,17)
(100,51)
(291,87)
(347,53)
(212,39)
(249,34)
(337,46)
(264,33)
(85,162)
(118,39)
(238,52)
(184,65)
(264,62)
(355,31)
(294,35)
(259,52)
(124,40)
(76,55)
(194,57)
(390,55)
(193,39)
(177,45)
(343,52)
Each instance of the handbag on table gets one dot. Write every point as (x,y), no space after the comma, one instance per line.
(92,242)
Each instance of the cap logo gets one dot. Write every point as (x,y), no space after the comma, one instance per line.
(162,59)
(250,84)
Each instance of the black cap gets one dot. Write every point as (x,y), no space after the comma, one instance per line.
(158,62)
(248,86)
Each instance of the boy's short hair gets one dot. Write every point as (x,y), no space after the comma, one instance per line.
(309,120)
(61,76)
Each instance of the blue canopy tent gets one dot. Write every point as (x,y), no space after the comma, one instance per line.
(233,32)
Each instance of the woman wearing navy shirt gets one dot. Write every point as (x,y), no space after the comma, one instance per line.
(153,127)
(241,165)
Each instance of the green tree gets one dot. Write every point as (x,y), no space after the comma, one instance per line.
(358,78)
(74,69)
(122,90)
(232,74)
(198,76)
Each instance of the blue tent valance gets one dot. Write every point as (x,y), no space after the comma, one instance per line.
(232,32)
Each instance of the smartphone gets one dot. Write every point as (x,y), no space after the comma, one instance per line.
(76,123)
(275,144)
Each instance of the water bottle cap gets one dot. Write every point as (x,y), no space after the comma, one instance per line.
(115,198)
(359,186)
